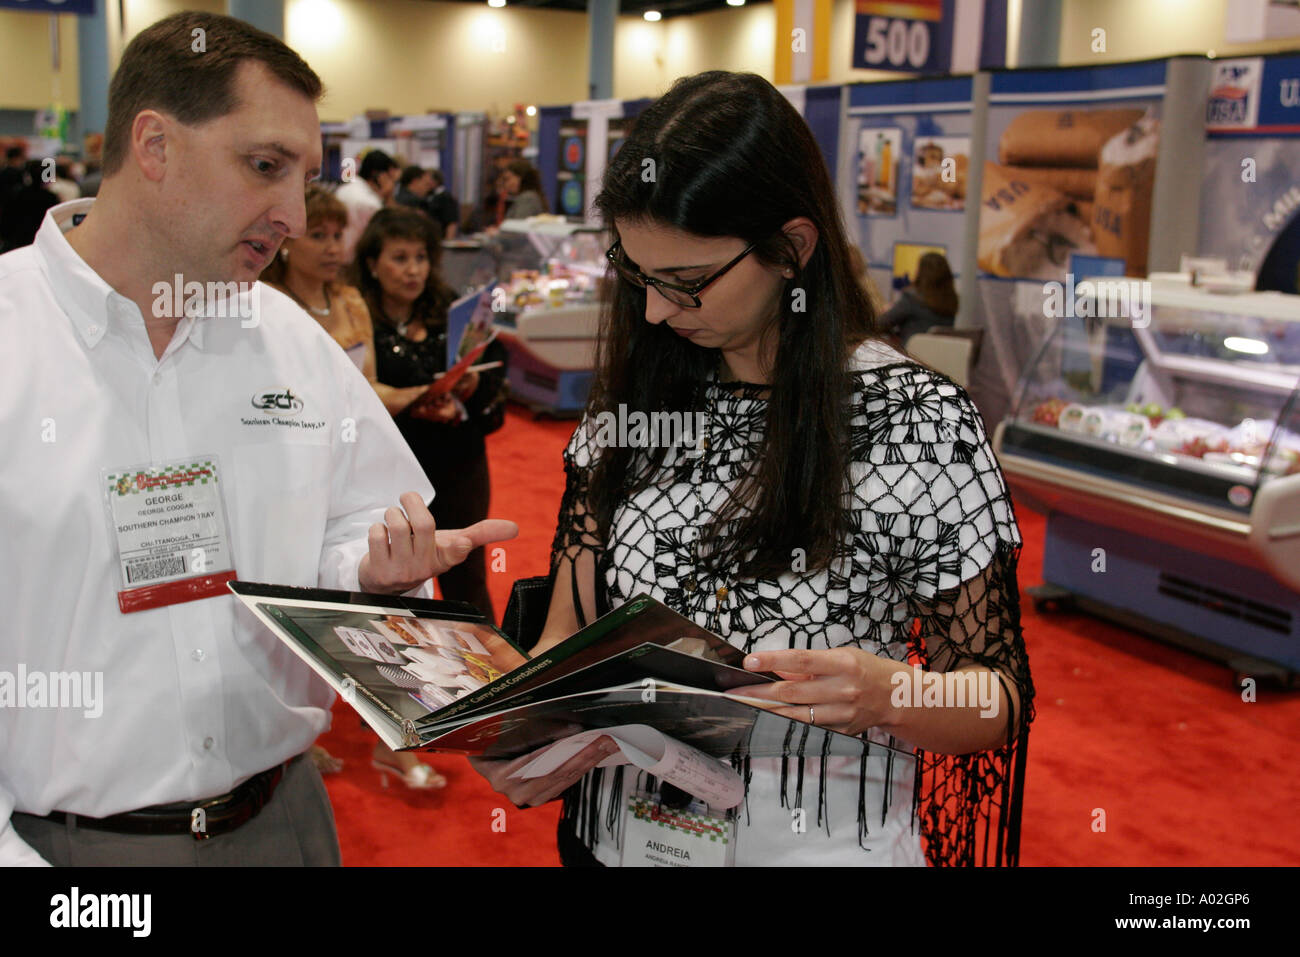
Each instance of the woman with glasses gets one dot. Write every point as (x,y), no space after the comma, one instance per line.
(842,520)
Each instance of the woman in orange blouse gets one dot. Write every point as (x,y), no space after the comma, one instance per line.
(308,270)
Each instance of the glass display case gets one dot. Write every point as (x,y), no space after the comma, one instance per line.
(1162,439)
(548,316)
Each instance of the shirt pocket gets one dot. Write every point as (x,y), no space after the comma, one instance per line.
(282,505)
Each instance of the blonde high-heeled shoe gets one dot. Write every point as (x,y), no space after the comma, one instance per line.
(421,777)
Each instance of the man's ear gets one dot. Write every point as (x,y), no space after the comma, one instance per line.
(149,138)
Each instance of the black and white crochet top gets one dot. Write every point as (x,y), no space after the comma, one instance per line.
(929,576)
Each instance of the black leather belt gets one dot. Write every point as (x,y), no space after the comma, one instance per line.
(202,819)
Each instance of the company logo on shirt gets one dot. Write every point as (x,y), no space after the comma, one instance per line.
(280,407)
(278,403)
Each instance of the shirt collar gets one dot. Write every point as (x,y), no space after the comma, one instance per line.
(78,289)
(87,299)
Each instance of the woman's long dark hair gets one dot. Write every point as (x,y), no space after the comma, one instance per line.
(725,154)
(402,223)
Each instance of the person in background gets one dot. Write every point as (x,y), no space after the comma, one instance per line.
(90,182)
(396,270)
(414,185)
(930,301)
(523,186)
(491,210)
(422,189)
(308,269)
(13,174)
(24,209)
(442,206)
(368,193)
(65,185)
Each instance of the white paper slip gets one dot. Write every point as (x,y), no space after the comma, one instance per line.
(666,758)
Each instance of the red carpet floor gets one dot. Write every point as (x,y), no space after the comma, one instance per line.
(1185,772)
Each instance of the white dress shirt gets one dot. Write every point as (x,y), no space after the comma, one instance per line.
(362,203)
(198,696)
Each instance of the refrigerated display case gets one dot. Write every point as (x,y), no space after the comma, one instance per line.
(550,315)
(1163,443)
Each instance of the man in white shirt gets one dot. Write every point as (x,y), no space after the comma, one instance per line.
(129,709)
(366,195)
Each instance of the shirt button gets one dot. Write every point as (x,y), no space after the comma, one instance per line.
(198,654)
(689,584)
(93,329)
(721,593)
(208,743)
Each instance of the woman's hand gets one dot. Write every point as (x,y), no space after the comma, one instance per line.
(441,410)
(844,689)
(530,792)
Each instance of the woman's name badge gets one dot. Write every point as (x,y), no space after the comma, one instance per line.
(169,527)
(657,836)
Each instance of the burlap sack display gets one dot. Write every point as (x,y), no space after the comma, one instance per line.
(1027,230)
(1061,137)
(1121,221)
(1072,181)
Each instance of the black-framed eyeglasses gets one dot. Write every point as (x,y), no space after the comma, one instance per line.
(687,295)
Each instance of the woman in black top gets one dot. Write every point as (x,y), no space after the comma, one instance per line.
(396,266)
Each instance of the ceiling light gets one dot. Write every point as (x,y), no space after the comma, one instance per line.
(735,3)
(653,16)
(496,3)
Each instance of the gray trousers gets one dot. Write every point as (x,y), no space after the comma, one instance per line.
(295,829)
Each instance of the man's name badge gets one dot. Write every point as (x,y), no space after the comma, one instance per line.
(656,836)
(169,528)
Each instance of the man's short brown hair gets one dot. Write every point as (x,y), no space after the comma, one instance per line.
(185,65)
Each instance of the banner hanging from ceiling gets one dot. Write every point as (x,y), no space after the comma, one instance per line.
(83,8)
(929,36)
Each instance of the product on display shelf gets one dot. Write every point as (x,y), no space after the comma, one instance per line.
(1125,183)
(1027,230)
(1070,138)
(1077,183)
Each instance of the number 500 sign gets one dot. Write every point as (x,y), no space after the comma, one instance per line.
(897,43)
(902,44)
